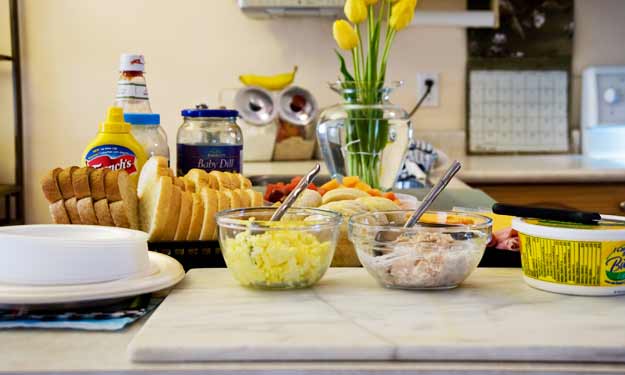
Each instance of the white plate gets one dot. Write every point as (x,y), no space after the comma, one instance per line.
(166,272)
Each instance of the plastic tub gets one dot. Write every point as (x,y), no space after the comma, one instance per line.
(567,258)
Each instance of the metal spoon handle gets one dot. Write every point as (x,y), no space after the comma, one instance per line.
(434,193)
(295,193)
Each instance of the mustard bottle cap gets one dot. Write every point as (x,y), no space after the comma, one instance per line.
(114,122)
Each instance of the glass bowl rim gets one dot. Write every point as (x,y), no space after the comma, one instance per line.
(419,227)
(223,219)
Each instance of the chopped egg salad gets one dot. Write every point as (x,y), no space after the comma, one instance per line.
(277,258)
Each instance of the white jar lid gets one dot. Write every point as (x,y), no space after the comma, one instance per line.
(130,62)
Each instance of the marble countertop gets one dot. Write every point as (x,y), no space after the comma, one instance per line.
(541,169)
(495,169)
(509,325)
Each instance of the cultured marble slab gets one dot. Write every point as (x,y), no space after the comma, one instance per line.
(493,316)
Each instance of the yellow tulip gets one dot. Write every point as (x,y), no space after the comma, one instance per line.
(402,13)
(355,11)
(344,34)
(371,2)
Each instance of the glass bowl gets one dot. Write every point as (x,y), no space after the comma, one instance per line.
(439,252)
(292,253)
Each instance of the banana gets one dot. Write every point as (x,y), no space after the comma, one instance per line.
(275,82)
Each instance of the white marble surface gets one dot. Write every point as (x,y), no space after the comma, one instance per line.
(494,316)
(76,352)
(541,169)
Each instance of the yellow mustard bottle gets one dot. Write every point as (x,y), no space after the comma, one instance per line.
(115,147)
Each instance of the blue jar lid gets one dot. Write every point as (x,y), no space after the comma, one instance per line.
(142,118)
(223,113)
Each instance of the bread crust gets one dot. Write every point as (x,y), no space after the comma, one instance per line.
(80,182)
(197,218)
(71,206)
(58,213)
(210,200)
(96,183)
(173,214)
(86,211)
(103,213)
(186,206)
(50,186)
(64,180)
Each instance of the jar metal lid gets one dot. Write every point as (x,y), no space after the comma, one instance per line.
(221,113)
(142,118)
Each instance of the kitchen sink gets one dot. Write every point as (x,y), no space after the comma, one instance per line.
(264,180)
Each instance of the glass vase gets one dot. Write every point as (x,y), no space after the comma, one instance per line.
(366,135)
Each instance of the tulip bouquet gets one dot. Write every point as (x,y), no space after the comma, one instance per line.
(368,36)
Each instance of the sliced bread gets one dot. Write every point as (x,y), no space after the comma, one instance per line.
(197,218)
(71,206)
(235,198)
(58,213)
(210,201)
(199,178)
(103,213)
(256,198)
(244,182)
(80,182)
(155,167)
(64,180)
(153,207)
(50,186)
(119,187)
(186,207)
(86,211)
(96,183)
(173,214)
(223,181)
(245,198)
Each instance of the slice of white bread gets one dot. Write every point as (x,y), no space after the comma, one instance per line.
(154,207)
(256,198)
(50,186)
(210,201)
(199,178)
(244,182)
(234,180)
(212,181)
(178,181)
(223,181)
(223,201)
(197,218)
(188,185)
(235,198)
(173,214)
(186,206)
(155,167)
(245,198)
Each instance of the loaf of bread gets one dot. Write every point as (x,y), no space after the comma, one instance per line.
(91,196)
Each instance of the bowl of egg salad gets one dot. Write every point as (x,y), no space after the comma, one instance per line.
(294,252)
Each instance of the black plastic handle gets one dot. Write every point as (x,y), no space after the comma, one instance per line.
(547,213)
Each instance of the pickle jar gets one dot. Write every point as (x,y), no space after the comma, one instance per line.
(209,139)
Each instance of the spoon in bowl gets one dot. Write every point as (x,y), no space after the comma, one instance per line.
(391,236)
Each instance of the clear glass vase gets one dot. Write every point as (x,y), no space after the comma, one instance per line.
(366,135)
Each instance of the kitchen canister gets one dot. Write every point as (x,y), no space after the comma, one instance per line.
(571,258)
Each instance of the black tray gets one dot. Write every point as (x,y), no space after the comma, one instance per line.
(207,254)
(191,254)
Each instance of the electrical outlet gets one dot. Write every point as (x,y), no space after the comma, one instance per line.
(433,97)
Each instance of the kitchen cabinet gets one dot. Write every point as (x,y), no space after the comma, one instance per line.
(606,198)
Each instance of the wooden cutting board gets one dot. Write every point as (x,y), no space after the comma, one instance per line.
(493,316)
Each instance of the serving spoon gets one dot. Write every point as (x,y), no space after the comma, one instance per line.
(391,236)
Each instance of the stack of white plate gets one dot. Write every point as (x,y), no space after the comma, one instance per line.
(47,264)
